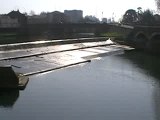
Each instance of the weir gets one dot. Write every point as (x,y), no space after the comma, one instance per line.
(17,65)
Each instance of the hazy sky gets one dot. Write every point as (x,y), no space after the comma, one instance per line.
(109,8)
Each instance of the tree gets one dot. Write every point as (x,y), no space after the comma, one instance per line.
(147,18)
(32,13)
(130,17)
(158,4)
(25,13)
(91,19)
(43,13)
(139,10)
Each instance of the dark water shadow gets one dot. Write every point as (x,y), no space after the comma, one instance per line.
(150,64)
(8,98)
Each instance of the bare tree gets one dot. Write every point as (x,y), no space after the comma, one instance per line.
(32,13)
(158,5)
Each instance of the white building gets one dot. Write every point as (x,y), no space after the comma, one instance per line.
(6,21)
(75,16)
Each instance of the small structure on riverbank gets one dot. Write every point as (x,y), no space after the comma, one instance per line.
(11,80)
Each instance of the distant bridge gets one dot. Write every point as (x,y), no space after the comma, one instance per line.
(141,37)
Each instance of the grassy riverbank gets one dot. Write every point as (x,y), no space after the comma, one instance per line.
(7,38)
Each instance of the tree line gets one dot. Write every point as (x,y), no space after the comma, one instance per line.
(140,17)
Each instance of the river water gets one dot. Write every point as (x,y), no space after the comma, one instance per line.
(119,87)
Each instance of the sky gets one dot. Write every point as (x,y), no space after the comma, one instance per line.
(97,8)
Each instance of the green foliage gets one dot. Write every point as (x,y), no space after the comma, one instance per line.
(90,19)
(130,17)
(7,34)
(112,34)
(147,17)
(133,17)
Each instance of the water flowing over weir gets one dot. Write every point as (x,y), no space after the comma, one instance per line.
(36,60)
(42,59)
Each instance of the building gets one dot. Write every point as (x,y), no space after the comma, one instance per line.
(109,20)
(37,19)
(22,19)
(104,20)
(57,17)
(8,22)
(75,16)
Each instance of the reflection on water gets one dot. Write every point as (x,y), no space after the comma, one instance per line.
(122,87)
(151,65)
(8,98)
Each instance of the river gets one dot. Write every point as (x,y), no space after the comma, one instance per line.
(117,87)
